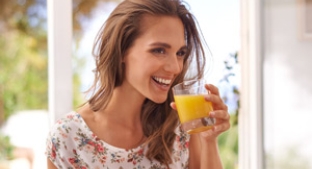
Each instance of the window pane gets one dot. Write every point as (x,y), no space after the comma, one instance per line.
(287,85)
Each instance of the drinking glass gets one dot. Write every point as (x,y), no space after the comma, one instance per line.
(193,109)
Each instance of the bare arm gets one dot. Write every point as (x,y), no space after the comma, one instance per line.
(209,156)
(50,164)
(204,154)
(194,149)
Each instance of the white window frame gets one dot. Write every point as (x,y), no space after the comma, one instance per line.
(59,58)
(251,111)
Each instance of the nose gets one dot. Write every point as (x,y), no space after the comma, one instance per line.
(173,65)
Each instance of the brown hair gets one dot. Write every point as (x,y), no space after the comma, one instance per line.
(114,39)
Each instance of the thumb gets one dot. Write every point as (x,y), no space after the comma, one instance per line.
(173,105)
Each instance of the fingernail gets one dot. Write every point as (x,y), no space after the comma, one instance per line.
(212,113)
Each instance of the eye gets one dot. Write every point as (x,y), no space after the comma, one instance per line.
(159,51)
(181,53)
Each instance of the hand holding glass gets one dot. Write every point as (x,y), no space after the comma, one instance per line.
(193,109)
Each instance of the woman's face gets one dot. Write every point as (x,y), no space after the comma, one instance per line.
(155,57)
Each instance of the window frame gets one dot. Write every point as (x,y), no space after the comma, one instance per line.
(250,130)
(59,58)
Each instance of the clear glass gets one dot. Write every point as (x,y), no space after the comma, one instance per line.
(193,109)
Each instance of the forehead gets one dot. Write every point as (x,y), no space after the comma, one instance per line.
(162,28)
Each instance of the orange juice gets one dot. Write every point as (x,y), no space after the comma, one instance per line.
(192,107)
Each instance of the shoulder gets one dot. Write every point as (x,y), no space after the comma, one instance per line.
(64,136)
(65,127)
(67,122)
(86,113)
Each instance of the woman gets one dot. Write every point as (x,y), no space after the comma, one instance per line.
(143,49)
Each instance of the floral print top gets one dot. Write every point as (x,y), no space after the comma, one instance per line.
(72,145)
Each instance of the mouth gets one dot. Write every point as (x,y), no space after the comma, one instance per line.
(161,81)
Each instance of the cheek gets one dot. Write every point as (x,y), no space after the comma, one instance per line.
(136,69)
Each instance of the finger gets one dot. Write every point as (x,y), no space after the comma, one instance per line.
(213,98)
(213,89)
(173,105)
(221,127)
(217,102)
(220,114)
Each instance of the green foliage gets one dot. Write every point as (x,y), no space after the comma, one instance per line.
(228,146)
(228,141)
(6,148)
(23,73)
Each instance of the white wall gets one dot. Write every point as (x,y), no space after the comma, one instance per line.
(287,86)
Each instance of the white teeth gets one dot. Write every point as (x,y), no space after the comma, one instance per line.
(160,80)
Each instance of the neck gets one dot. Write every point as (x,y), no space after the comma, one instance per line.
(125,105)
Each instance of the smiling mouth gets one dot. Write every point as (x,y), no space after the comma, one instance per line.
(161,81)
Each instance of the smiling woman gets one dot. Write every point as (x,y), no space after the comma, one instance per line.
(142,51)
(157,51)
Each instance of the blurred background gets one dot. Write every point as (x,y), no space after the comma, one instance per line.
(261,49)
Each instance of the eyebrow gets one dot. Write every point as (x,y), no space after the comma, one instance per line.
(166,45)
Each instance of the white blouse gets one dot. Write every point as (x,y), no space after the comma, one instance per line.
(72,145)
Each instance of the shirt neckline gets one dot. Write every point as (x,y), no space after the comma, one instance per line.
(109,146)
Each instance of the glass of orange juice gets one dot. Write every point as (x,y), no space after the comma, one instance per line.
(193,109)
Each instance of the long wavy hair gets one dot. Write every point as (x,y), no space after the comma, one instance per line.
(116,36)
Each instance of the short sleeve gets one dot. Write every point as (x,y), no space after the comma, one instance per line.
(53,146)
(59,144)
(50,150)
